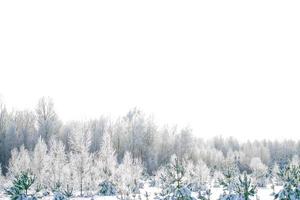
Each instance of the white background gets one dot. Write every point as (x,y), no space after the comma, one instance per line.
(219,67)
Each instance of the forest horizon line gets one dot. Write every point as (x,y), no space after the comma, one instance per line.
(49,100)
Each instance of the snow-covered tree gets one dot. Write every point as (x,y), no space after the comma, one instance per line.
(80,158)
(107,165)
(259,172)
(128,175)
(21,187)
(92,178)
(198,175)
(216,177)
(174,185)
(69,181)
(276,180)
(39,163)
(19,161)
(230,173)
(242,189)
(55,164)
(290,177)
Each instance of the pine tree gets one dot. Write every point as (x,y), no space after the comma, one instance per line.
(241,188)
(230,173)
(21,186)
(244,187)
(290,177)
(107,188)
(174,186)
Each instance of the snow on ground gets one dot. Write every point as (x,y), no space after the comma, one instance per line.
(263,194)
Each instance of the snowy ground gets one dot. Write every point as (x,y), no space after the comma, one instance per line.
(263,194)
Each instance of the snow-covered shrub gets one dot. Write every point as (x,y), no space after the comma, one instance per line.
(68,191)
(230,197)
(204,194)
(60,196)
(107,188)
(21,186)
(62,192)
(173,182)
(290,176)
(25,197)
(181,193)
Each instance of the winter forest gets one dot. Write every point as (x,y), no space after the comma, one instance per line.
(133,158)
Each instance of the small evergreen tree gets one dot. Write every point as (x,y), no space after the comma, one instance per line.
(173,182)
(244,187)
(230,173)
(290,176)
(276,175)
(21,186)
(240,188)
(61,192)
(107,188)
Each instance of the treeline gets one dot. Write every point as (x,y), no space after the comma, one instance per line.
(135,133)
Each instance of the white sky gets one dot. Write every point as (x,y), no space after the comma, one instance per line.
(220,67)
